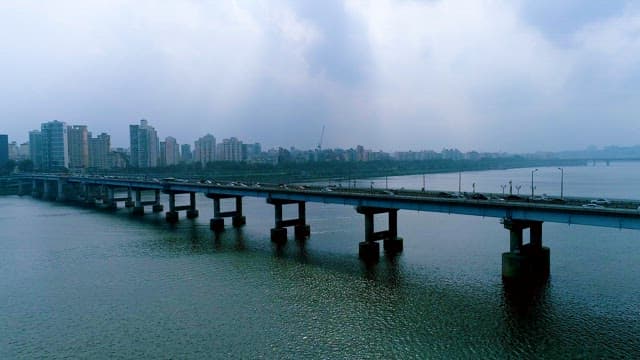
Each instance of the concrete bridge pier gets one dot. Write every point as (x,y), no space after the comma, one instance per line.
(525,262)
(110,199)
(129,203)
(138,207)
(60,186)
(89,194)
(369,249)
(237,219)
(192,212)
(48,190)
(22,188)
(301,229)
(157,206)
(35,191)
(172,215)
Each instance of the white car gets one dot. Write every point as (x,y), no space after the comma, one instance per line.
(601,202)
(593,206)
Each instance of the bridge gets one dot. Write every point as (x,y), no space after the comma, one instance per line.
(523,262)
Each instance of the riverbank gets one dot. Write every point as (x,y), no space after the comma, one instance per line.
(333,171)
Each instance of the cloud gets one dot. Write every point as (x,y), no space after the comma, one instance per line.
(491,75)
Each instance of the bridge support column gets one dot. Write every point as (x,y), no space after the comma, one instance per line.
(138,207)
(369,249)
(301,229)
(34,189)
(60,196)
(22,188)
(237,219)
(525,262)
(48,192)
(109,200)
(88,197)
(157,206)
(172,215)
(192,212)
(129,202)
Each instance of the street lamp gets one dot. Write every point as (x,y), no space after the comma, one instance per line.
(532,171)
(561,182)
(518,187)
(459,182)
(503,187)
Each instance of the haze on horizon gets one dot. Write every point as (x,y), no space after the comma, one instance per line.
(515,76)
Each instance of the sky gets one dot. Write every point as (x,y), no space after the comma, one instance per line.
(514,76)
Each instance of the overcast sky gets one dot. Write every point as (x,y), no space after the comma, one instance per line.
(514,76)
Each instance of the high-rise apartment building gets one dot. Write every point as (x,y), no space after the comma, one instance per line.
(78,138)
(99,148)
(18,152)
(4,149)
(185,153)
(205,151)
(13,148)
(230,150)
(252,151)
(144,145)
(35,148)
(23,152)
(55,145)
(171,152)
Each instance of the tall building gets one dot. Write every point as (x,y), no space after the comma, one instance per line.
(144,145)
(99,148)
(78,146)
(14,150)
(55,145)
(205,151)
(24,151)
(35,148)
(171,151)
(185,153)
(4,149)
(230,150)
(252,151)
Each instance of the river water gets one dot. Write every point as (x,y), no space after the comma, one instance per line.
(88,283)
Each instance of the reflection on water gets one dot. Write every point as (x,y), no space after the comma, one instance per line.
(89,283)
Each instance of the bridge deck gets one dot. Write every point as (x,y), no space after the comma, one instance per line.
(622,214)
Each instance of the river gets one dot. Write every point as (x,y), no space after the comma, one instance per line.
(88,283)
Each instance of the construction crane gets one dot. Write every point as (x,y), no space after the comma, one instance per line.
(321,137)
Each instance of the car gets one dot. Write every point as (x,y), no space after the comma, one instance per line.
(514,198)
(601,201)
(478,196)
(593,206)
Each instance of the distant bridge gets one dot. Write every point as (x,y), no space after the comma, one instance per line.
(523,261)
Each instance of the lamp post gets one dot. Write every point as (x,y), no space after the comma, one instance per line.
(459,182)
(423,183)
(561,183)
(503,187)
(532,171)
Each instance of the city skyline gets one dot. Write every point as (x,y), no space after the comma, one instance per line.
(497,76)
